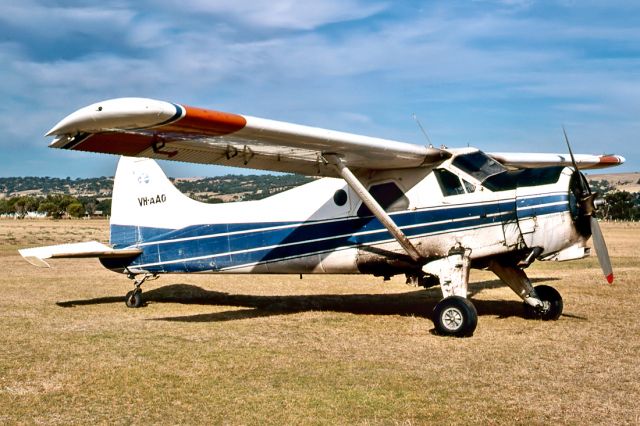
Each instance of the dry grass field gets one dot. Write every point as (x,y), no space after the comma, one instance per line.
(321,350)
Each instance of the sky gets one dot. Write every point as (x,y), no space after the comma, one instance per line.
(501,75)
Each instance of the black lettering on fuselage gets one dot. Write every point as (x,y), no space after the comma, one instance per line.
(154,199)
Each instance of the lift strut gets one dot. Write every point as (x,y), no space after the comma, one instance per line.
(375,207)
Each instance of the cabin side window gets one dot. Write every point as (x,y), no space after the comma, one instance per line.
(449,183)
(388,195)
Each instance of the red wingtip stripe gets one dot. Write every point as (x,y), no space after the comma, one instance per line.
(208,122)
(610,159)
(610,278)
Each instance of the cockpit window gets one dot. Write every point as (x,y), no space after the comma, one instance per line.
(468,186)
(449,183)
(479,165)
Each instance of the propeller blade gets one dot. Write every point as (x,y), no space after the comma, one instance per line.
(583,184)
(573,159)
(601,250)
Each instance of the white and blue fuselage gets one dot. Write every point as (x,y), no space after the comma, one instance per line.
(322,227)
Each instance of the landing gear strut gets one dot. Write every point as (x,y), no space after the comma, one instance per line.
(540,302)
(133,299)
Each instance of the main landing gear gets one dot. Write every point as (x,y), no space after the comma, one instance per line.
(133,299)
(456,316)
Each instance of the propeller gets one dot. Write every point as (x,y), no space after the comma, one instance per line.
(587,207)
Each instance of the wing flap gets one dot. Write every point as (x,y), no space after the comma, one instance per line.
(37,255)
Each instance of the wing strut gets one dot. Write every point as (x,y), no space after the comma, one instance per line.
(375,208)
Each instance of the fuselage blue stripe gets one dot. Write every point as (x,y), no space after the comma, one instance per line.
(123,236)
(213,248)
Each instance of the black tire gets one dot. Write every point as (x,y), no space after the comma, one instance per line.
(455,316)
(133,299)
(552,297)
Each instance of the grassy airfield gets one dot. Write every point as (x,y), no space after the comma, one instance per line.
(324,349)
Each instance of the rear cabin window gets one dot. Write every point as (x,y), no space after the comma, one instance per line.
(449,183)
(388,195)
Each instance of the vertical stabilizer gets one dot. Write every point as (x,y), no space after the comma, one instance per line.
(145,203)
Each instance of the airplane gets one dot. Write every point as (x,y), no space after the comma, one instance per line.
(379,207)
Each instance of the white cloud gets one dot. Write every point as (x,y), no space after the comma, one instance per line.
(483,70)
(285,14)
(54,21)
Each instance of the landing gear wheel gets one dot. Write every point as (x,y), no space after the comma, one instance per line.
(552,301)
(455,316)
(133,299)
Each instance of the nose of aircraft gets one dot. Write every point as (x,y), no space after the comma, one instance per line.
(126,113)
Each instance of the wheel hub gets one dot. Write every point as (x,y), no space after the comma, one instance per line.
(452,319)
(545,307)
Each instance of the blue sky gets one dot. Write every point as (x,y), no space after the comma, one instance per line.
(498,75)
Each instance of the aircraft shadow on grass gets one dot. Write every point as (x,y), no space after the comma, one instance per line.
(419,303)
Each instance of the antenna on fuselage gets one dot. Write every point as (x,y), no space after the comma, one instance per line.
(424,132)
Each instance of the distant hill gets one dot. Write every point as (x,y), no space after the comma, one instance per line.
(228,187)
(213,189)
(629,182)
(58,198)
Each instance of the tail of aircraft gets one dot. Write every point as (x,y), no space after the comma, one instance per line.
(145,203)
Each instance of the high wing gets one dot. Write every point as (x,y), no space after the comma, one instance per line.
(140,127)
(149,128)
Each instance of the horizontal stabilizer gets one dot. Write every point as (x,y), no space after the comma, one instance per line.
(36,255)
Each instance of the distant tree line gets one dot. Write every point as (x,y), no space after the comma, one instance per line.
(58,198)
(620,205)
(55,206)
(102,186)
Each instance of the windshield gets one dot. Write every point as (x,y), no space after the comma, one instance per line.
(478,165)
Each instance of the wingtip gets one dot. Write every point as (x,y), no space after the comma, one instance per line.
(33,259)
(612,160)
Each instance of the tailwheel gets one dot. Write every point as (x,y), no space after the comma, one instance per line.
(133,299)
(552,305)
(455,316)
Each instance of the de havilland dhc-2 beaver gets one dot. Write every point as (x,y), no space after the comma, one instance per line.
(382,207)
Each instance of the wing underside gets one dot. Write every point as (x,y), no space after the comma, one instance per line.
(139,127)
(160,130)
